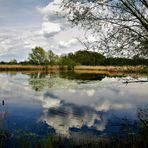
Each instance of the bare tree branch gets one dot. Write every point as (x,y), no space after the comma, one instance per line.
(126,22)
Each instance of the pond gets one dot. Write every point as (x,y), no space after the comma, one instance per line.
(69,103)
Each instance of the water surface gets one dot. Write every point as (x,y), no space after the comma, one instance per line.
(68,103)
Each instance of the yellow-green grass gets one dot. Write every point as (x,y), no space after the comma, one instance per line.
(113,68)
(27,67)
(86,69)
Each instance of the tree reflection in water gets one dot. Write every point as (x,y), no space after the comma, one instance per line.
(66,115)
(40,81)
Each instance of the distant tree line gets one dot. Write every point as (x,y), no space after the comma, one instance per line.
(39,56)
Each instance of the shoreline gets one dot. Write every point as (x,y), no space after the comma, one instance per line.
(77,69)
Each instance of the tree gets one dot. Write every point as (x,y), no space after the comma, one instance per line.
(51,57)
(14,61)
(38,56)
(67,61)
(85,57)
(122,25)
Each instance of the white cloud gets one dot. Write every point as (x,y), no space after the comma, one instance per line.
(56,26)
(107,105)
(49,29)
(50,103)
(53,19)
(68,43)
(52,11)
(54,33)
(90,92)
(17,42)
(66,117)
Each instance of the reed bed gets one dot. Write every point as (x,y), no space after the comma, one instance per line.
(96,69)
(28,67)
(142,69)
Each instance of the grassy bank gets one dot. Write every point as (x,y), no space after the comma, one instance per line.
(95,69)
(128,69)
(29,140)
(28,67)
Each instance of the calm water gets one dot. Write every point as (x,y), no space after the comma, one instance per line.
(68,104)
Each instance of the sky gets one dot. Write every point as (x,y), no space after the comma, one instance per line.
(25,24)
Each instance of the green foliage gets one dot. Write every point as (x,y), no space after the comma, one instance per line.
(51,57)
(13,62)
(81,57)
(125,61)
(67,61)
(38,56)
(85,57)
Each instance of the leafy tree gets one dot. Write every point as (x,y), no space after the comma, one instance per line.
(14,61)
(38,56)
(85,57)
(51,57)
(121,24)
(67,61)
(135,57)
(39,81)
(2,62)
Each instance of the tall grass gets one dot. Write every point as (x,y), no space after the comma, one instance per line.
(127,139)
(28,67)
(129,69)
(132,140)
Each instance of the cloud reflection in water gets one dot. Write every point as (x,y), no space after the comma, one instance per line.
(67,103)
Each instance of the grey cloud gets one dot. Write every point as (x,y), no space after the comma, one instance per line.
(51,95)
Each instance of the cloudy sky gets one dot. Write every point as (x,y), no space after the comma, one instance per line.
(25,24)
